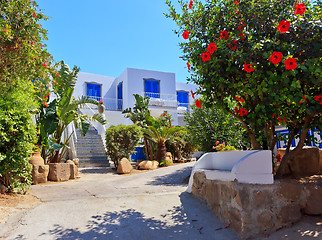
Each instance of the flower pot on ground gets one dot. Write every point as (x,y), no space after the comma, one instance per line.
(36,159)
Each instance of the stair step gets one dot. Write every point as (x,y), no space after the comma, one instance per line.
(93,165)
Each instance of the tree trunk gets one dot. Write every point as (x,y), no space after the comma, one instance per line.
(161,150)
(55,159)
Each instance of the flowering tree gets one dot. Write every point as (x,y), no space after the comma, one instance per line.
(259,60)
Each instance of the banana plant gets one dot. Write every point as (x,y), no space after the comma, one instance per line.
(61,112)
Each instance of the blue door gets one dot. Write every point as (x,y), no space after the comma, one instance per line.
(139,155)
(94,91)
(152,88)
(120,96)
(183,99)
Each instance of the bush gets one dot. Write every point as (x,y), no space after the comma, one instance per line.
(208,125)
(17,136)
(121,141)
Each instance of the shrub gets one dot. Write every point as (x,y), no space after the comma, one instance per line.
(17,135)
(121,141)
(208,125)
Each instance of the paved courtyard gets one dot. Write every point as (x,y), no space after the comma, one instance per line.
(150,205)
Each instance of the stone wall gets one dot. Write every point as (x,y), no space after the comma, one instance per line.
(252,209)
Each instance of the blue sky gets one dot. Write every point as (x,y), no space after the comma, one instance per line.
(105,36)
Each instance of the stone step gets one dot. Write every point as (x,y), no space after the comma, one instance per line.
(89,143)
(92,158)
(93,165)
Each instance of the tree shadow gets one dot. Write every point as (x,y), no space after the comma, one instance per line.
(190,220)
(97,170)
(177,178)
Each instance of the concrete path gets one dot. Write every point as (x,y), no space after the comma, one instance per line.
(104,205)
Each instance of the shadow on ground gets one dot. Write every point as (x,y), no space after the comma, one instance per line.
(190,220)
(101,170)
(177,178)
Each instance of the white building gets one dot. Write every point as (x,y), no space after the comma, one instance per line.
(117,93)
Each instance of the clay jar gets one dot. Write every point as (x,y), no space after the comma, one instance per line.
(36,159)
(101,107)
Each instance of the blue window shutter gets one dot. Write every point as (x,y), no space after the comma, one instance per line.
(94,91)
(120,91)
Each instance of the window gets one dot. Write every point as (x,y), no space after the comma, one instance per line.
(183,99)
(93,91)
(120,96)
(152,88)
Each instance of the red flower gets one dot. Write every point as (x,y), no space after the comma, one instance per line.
(185,34)
(248,68)
(55,82)
(224,34)
(278,158)
(57,74)
(236,2)
(211,47)
(233,45)
(163,115)
(44,64)
(4,30)
(290,63)
(243,36)
(192,94)
(198,103)
(46,105)
(188,65)
(205,56)
(243,112)
(280,119)
(190,4)
(318,98)
(45,97)
(283,26)
(48,94)
(276,57)
(303,98)
(239,99)
(34,15)
(300,8)
(240,28)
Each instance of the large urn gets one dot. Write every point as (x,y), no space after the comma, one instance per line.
(101,107)
(36,159)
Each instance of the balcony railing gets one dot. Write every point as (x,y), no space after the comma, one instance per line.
(111,104)
(161,100)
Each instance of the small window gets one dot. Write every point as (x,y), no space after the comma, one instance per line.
(183,99)
(120,96)
(93,91)
(152,88)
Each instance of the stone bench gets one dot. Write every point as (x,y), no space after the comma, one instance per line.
(253,166)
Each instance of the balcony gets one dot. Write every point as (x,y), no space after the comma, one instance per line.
(111,104)
(161,100)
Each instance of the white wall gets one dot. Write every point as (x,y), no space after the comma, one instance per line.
(83,78)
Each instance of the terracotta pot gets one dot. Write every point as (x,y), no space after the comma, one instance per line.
(101,108)
(36,159)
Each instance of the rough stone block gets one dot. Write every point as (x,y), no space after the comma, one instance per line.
(2,189)
(290,214)
(290,190)
(265,222)
(73,171)
(59,172)
(306,162)
(148,165)
(262,200)
(124,166)
(39,174)
(314,200)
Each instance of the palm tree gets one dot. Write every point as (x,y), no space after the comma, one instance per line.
(160,135)
(62,111)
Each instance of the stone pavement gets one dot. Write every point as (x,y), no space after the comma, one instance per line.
(104,205)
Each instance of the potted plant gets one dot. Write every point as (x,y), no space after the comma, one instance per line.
(36,158)
(101,107)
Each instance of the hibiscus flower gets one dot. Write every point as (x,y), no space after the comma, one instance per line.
(290,63)
(192,94)
(57,74)
(44,64)
(211,47)
(243,36)
(300,8)
(224,34)
(284,26)
(198,103)
(239,99)
(303,98)
(190,4)
(318,98)
(248,68)
(243,112)
(233,45)
(236,2)
(188,65)
(185,34)
(205,56)
(276,57)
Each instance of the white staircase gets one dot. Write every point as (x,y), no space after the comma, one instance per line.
(90,149)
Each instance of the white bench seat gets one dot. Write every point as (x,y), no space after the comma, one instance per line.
(244,166)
